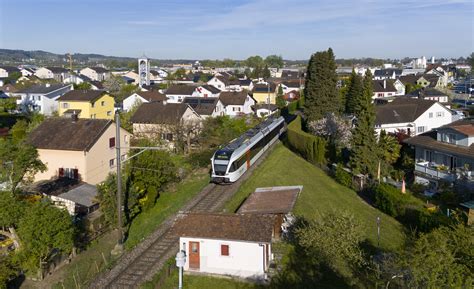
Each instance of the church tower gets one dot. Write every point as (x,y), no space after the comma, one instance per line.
(143,71)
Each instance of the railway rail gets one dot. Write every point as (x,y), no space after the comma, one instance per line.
(147,259)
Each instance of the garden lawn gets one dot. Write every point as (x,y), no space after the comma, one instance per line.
(320,194)
(167,204)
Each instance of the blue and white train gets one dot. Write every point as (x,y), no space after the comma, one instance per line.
(233,160)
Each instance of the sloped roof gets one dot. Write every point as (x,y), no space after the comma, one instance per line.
(202,106)
(211,88)
(464,126)
(152,95)
(99,69)
(181,89)
(401,110)
(426,92)
(428,140)
(409,79)
(387,72)
(261,87)
(275,200)
(82,95)
(236,227)
(159,113)
(43,88)
(57,69)
(233,97)
(10,69)
(84,195)
(66,134)
(378,86)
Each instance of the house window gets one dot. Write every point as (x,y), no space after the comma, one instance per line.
(65,105)
(420,129)
(93,105)
(167,136)
(440,114)
(102,103)
(205,94)
(380,94)
(112,142)
(224,250)
(111,162)
(109,113)
(430,115)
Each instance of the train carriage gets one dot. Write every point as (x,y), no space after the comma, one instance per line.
(233,160)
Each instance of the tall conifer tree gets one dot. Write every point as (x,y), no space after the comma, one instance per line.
(364,142)
(355,93)
(321,96)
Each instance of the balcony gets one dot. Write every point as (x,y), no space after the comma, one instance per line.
(441,172)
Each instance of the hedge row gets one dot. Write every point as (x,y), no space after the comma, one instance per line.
(311,147)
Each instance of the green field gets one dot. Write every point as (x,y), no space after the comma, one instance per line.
(168,203)
(320,194)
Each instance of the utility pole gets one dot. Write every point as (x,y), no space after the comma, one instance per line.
(119,247)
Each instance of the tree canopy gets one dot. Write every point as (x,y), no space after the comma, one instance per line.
(275,61)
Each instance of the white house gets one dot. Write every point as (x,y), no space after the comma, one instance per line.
(264,109)
(76,79)
(206,107)
(381,74)
(177,93)
(288,86)
(27,71)
(42,98)
(6,70)
(227,244)
(412,116)
(429,93)
(81,199)
(96,73)
(206,91)
(56,73)
(142,97)
(225,82)
(236,102)
(383,88)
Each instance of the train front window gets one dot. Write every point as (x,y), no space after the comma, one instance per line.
(222,155)
(220,169)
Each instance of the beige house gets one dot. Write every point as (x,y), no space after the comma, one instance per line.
(167,122)
(82,149)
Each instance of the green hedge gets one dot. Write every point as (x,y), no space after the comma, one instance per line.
(390,200)
(342,176)
(311,147)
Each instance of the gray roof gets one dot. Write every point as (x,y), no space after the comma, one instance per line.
(43,89)
(57,69)
(99,69)
(402,110)
(211,88)
(181,89)
(84,195)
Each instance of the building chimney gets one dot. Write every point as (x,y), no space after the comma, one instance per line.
(384,84)
(165,102)
(47,84)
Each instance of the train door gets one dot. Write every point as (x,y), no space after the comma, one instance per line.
(247,155)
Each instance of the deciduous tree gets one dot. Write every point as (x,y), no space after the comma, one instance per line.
(274,61)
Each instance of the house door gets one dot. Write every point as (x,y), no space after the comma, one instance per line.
(452,163)
(194,255)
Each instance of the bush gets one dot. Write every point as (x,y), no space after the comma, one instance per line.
(310,147)
(342,176)
(390,200)
(200,159)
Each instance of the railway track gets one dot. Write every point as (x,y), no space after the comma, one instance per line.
(147,259)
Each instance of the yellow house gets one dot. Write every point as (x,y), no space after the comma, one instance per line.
(264,93)
(87,104)
(82,149)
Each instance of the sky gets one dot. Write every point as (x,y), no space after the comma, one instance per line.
(217,29)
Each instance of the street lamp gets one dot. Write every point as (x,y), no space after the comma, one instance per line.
(180,261)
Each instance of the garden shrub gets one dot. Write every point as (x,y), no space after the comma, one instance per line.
(342,176)
(390,200)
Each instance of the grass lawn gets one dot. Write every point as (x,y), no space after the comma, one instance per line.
(320,194)
(167,204)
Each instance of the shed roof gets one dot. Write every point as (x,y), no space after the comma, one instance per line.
(237,227)
(274,200)
(84,195)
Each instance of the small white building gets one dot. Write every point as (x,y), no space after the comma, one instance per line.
(265,109)
(56,73)
(42,98)
(227,244)
(206,91)
(177,93)
(412,116)
(206,107)
(79,200)
(5,71)
(96,73)
(236,102)
(142,97)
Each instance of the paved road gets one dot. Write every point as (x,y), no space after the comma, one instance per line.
(147,259)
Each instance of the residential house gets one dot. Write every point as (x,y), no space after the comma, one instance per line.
(42,98)
(429,94)
(446,154)
(27,71)
(165,121)
(96,73)
(206,91)
(264,93)
(227,244)
(178,92)
(291,74)
(246,84)
(87,104)
(6,71)
(206,107)
(236,102)
(225,82)
(399,86)
(412,116)
(381,74)
(76,79)
(142,97)
(383,88)
(81,149)
(288,86)
(56,73)
(441,73)
(264,109)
